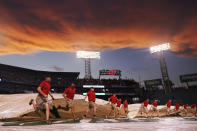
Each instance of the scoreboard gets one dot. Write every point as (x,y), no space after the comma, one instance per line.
(113,72)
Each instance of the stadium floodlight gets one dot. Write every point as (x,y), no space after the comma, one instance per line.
(159,48)
(88,54)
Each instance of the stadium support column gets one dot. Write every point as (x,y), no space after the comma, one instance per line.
(164,72)
(88,68)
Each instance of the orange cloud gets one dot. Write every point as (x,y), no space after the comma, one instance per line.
(27,27)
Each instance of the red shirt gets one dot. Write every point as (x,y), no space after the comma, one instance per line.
(154,103)
(91,96)
(113,99)
(70,92)
(185,106)
(118,103)
(146,103)
(193,106)
(45,87)
(177,106)
(169,104)
(125,104)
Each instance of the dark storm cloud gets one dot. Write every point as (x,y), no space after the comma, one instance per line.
(68,25)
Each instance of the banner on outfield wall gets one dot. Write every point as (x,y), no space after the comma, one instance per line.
(188,78)
(155,82)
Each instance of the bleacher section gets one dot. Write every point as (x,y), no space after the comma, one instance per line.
(20,80)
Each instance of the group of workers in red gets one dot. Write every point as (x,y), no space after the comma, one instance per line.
(116,105)
(68,94)
(177,107)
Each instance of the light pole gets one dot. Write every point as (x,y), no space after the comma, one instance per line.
(164,71)
(87,56)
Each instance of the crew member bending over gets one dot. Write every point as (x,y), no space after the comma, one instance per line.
(185,106)
(177,107)
(118,106)
(193,109)
(113,100)
(145,107)
(154,107)
(168,105)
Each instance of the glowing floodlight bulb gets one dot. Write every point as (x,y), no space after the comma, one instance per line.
(88,54)
(159,48)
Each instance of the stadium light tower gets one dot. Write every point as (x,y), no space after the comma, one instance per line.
(160,49)
(87,56)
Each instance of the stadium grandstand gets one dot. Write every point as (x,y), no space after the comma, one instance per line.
(21,80)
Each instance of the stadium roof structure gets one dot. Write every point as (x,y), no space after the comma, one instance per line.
(20,70)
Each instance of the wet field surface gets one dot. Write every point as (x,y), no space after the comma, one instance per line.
(141,124)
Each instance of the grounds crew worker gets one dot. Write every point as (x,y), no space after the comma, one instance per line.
(113,99)
(91,98)
(69,94)
(42,98)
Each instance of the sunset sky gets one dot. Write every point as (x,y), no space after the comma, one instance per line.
(45,35)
